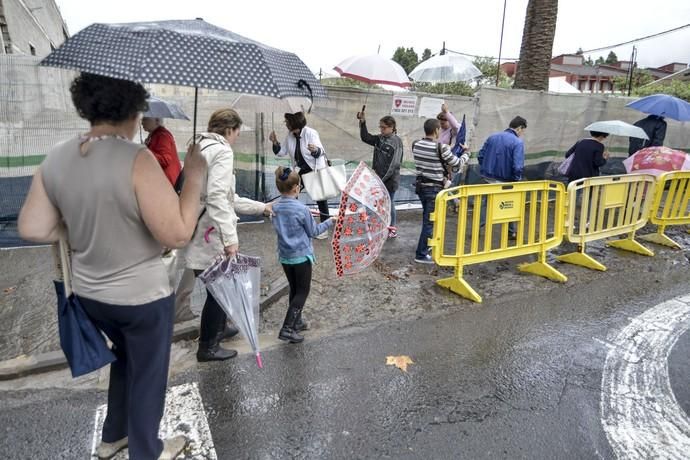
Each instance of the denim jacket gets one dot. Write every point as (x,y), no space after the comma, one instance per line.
(295,228)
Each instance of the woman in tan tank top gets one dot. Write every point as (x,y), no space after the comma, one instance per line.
(119,210)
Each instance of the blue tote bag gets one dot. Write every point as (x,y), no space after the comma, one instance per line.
(81,341)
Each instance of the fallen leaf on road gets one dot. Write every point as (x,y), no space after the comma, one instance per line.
(400,362)
(9,290)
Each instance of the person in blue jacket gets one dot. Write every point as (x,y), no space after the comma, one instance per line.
(502,159)
(295,228)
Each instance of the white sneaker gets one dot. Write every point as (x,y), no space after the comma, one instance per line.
(106,450)
(322,236)
(427,259)
(172,447)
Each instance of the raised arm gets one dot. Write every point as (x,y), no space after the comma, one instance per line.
(364,134)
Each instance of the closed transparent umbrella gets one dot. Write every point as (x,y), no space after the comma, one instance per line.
(235,284)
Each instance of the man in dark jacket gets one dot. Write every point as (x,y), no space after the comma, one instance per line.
(655,128)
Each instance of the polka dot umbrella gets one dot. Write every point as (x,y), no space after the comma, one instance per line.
(186,53)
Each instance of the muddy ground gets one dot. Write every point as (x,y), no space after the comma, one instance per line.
(393,288)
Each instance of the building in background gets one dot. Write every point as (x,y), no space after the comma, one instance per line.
(595,78)
(31,27)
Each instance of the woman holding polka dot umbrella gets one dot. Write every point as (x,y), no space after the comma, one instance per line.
(186,53)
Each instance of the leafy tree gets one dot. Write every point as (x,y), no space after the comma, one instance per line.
(600,60)
(641,77)
(459,88)
(537,45)
(344,82)
(589,62)
(488,67)
(677,88)
(611,58)
(426,54)
(406,57)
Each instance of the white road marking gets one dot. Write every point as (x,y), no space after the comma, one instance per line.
(184,414)
(639,412)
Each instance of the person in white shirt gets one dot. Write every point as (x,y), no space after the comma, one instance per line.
(306,151)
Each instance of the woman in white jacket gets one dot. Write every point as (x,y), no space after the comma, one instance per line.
(216,232)
(304,147)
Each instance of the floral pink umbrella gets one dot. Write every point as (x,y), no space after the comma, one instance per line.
(657,160)
(361,228)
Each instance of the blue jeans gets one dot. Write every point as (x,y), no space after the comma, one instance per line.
(457,178)
(394,217)
(427,196)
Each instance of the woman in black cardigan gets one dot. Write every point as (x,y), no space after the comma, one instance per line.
(590,155)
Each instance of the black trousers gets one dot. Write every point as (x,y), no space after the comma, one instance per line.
(324,214)
(213,317)
(141,337)
(299,279)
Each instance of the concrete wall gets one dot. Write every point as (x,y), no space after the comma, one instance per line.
(36,23)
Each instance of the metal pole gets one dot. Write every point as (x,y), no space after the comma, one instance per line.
(500,46)
(196,101)
(263,160)
(257,158)
(632,69)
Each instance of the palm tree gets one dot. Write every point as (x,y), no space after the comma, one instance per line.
(537,45)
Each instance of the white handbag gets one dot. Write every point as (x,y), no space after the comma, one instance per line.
(325,183)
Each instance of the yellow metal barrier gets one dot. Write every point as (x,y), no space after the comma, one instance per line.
(538,222)
(670,206)
(607,206)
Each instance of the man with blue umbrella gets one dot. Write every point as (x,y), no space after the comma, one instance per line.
(655,127)
(658,106)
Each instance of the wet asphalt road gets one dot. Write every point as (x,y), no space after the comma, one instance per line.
(515,378)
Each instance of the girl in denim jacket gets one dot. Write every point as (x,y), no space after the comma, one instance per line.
(295,228)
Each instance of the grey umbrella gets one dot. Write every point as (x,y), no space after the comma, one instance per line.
(158,108)
(186,53)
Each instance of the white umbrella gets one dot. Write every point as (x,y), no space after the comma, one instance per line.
(445,68)
(617,127)
(373,69)
(159,108)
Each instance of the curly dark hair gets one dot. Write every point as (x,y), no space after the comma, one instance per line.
(103,99)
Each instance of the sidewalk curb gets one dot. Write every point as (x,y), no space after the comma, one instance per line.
(22,366)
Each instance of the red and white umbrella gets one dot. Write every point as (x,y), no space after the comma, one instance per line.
(657,160)
(374,69)
(361,228)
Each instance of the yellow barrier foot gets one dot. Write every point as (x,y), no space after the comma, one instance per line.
(583,260)
(660,238)
(460,287)
(543,269)
(630,245)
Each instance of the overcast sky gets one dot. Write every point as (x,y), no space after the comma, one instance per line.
(324,34)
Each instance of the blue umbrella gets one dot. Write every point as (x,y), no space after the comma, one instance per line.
(663,105)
